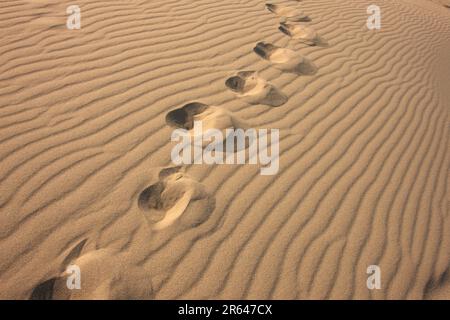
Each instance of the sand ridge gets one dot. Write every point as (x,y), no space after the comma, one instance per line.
(86,175)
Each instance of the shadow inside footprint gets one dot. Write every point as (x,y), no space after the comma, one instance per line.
(44,290)
(285,59)
(303,33)
(250,87)
(291,14)
(198,119)
(150,199)
(184,117)
(175,199)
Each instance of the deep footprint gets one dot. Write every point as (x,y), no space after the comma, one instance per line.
(184,117)
(211,117)
(46,290)
(285,59)
(303,33)
(250,87)
(291,14)
(175,199)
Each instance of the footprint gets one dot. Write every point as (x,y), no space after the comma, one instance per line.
(446,3)
(303,33)
(215,126)
(104,274)
(285,59)
(175,199)
(46,289)
(291,14)
(255,90)
(210,117)
(49,22)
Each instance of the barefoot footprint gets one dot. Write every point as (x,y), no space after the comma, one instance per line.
(211,117)
(255,90)
(98,271)
(285,59)
(291,14)
(445,3)
(175,198)
(301,32)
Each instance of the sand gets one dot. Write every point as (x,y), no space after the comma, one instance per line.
(86,176)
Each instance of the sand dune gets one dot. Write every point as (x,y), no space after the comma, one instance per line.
(86,177)
(250,87)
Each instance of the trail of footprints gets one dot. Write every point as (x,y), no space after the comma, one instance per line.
(177,199)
